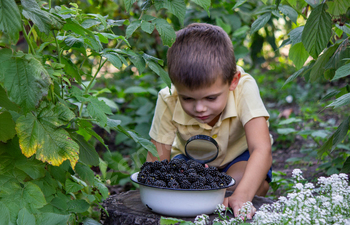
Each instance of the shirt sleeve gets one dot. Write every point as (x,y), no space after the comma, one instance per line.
(250,104)
(163,129)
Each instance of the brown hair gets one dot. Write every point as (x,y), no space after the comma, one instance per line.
(200,54)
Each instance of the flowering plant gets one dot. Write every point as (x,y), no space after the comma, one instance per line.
(328,203)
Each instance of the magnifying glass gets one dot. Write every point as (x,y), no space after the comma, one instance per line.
(202,149)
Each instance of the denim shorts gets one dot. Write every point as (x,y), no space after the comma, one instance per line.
(242,157)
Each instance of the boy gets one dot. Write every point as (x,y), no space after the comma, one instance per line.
(214,97)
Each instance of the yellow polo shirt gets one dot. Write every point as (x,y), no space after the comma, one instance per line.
(173,126)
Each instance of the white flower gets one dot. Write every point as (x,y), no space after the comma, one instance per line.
(220,208)
(337,199)
(289,99)
(201,219)
(297,174)
(299,186)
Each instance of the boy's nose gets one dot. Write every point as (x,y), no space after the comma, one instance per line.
(199,107)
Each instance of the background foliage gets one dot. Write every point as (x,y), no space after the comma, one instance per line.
(79,81)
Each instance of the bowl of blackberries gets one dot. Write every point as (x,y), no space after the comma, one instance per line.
(181,188)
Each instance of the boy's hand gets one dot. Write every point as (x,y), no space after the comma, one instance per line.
(236,203)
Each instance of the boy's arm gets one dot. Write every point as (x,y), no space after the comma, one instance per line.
(163,152)
(259,163)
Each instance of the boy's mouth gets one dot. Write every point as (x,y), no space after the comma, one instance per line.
(202,117)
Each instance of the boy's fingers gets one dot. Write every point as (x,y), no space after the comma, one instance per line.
(206,165)
(225,202)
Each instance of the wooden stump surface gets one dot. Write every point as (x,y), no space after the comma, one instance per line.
(127,209)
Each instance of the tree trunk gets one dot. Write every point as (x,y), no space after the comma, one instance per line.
(127,209)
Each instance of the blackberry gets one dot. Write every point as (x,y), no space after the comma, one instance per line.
(157,165)
(169,177)
(197,185)
(198,167)
(209,179)
(175,164)
(192,177)
(214,185)
(153,177)
(185,184)
(183,168)
(141,177)
(221,183)
(207,187)
(160,183)
(227,178)
(179,176)
(165,162)
(173,184)
(213,171)
(160,175)
(149,181)
(146,164)
(202,179)
(190,161)
(163,169)
(190,171)
(147,169)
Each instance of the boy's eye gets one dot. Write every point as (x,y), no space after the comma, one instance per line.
(186,99)
(211,98)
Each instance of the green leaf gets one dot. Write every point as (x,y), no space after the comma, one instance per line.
(313,3)
(170,221)
(7,127)
(341,101)
(176,7)
(101,188)
(72,187)
(205,4)
(160,71)
(132,27)
(147,27)
(29,80)
(87,152)
(342,72)
(166,31)
(41,134)
(338,7)
(33,195)
(85,172)
(285,131)
(260,22)
(295,35)
(319,66)
(114,59)
(223,25)
(128,4)
(298,54)
(98,109)
(345,169)
(10,19)
(137,60)
(135,89)
(25,217)
(71,69)
(290,12)
(238,4)
(317,31)
(103,168)
(89,221)
(341,132)
(100,18)
(78,206)
(87,126)
(35,169)
(289,121)
(41,18)
(5,101)
(4,214)
(52,219)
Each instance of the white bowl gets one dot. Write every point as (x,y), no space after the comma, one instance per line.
(180,202)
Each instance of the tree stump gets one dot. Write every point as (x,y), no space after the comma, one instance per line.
(127,209)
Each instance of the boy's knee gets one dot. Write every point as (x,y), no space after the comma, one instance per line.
(263,189)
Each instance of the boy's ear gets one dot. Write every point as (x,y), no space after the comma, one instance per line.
(235,81)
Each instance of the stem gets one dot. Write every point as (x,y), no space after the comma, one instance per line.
(119,43)
(94,77)
(57,47)
(30,46)
(141,15)
(49,4)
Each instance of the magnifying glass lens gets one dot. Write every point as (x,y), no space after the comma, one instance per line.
(202,148)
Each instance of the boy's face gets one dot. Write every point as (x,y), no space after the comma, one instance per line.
(206,104)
